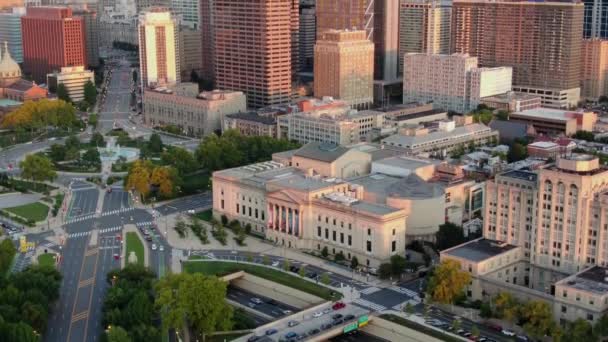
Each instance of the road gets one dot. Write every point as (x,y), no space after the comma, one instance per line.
(268,306)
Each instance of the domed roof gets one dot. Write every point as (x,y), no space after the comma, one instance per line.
(8,67)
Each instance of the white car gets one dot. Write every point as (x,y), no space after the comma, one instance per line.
(317,314)
(153,246)
(161,248)
(508,332)
(275,264)
(191,211)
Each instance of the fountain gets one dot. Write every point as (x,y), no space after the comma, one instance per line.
(112,152)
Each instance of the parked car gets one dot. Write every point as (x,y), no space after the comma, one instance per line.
(161,248)
(153,246)
(522,338)
(327,310)
(338,306)
(336,316)
(287,312)
(256,300)
(337,321)
(313,332)
(191,211)
(275,264)
(253,338)
(270,332)
(495,327)
(349,318)
(291,334)
(317,314)
(508,332)
(326,326)
(292,323)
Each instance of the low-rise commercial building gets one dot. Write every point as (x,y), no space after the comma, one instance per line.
(251,124)
(443,140)
(553,98)
(196,114)
(549,121)
(74,79)
(512,101)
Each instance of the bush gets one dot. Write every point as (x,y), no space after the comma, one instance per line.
(224,220)
(339,257)
(325,252)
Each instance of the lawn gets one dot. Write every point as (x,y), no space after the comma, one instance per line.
(220,268)
(46,259)
(134,244)
(205,215)
(33,211)
(24,185)
(420,328)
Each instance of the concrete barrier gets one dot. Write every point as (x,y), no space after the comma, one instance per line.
(248,309)
(394,332)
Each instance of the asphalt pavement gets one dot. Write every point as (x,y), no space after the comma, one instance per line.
(268,306)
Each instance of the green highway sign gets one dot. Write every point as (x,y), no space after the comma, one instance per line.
(350,327)
(363,320)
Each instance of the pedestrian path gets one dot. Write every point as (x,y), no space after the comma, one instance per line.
(369,290)
(101,231)
(144,224)
(117,211)
(80,218)
(369,305)
(404,291)
(49,245)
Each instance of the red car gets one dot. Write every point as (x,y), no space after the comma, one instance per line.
(338,306)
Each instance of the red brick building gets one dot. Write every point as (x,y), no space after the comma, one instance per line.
(52,38)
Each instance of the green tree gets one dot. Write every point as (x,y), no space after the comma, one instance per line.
(354,262)
(62,93)
(538,317)
(155,144)
(72,142)
(195,299)
(456,324)
(57,152)
(266,260)
(584,135)
(97,140)
(398,264)
(286,265)
(447,282)
(302,271)
(385,271)
(517,151)
(502,115)
(91,157)
(117,334)
(449,235)
(475,331)
(37,168)
(182,160)
(408,309)
(93,120)
(506,306)
(90,93)
(483,116)
(579,330)
(7,253)
(600,329)
(325,279)
(325,252)
(485,311)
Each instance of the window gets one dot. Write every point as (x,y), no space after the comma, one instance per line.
(319,218)
(256,213)
(369,246)
(238,208)
(249,211)
(333,233)
(263,216)
(341,237)
(334,222)
(589,317)
(565,294)
(326,233)
(369,231)
(350,240)
(222,204)
(394,231)
(244,210)
(394,246)
(319,231)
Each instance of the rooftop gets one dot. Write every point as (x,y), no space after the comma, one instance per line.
(544,144)
(437,136)
(411,186)
(547,113)
(357,205)
(9,103)
(518,174)
(378,151)
(594,279)
(326,152)
(254,117)
(512,95)
(479,250)
(406,163)
(404,117)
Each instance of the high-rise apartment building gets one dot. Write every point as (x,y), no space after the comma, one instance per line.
(205,19)
(52,39)
(11,3)
(158,47)
(10,31)
(379,19)
(89,15)
(424,27)
(189,12)
(595,19)
(594,78)
(540,40)
(344,67)
(190,53)
(254,43)
(558,215)
(142,5)
(451,82)
(308,34)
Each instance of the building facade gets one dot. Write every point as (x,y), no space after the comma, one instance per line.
(544,50)
(159,49)
(424,27)
(308,34)
(189,13)
(194,113)
(451,82)
(10,31)
(251,124)
(512,101)
(594,80)
(190,54)
(344,67)
(52,38)
(254,43)
(91,29)
(550,122)
(595,19)
(74,79)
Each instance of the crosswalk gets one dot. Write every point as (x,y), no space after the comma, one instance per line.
(93,215)
(117,211)
(48,245)
(399,307)
(370,290)
(101,231)
(415,299)
(369,305)
(144,224)
(80,218)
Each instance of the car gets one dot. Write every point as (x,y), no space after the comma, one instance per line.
(471,338)
(326,326)
(338,321)
(291,334)
(116,256)
(294,269)
(272,302)
(256,300)
(191,211)
(460,331)
(251,305)
(253,338)
(338,306)
(522,338)
(327,310)
(287,312)
(349,318)
(148,238)
(313,332)
(109,190)
(507,332)
(482,339)
(317,314)
(153,246)
(292,323)
(270,332)
(275,264)
(336,316)
(467,334)
(161,248)
(312,275)
(495,327)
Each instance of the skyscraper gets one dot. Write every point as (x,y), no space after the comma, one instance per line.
(424,27)
(158,47)
(344,67)
(206,25)
(596,19)
(253,45)
(540,40)
(89,15)
(189,12)
(52,39)
(10,31)
(308,34)
(594,80)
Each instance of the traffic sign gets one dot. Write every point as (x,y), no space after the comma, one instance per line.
(363,320)
(350,327)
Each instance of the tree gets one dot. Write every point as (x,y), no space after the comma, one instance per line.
(502,115)
(456,324)
(72,142)
(164,177)
(475,331)
(449,235)
(286,265)
(398,264)
(302,271)
(93,120)
(485,311)
(339,257)
(38,115)
(325,252)
(155,144)
(385,271)
(517,151)
(7,253)
(182,160)
(195,299)
(579,330)
(354,262)
(97,140)
(138,177)
(447,282)
(600,329)
(57,152)
(266,260)
(408,309)
(118,334)
(62,93)
(90,93)
(91,156)
(72,153)
(37,168)
(584,135)
(538,317)
(483,116)
(506,306)
(325,279)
